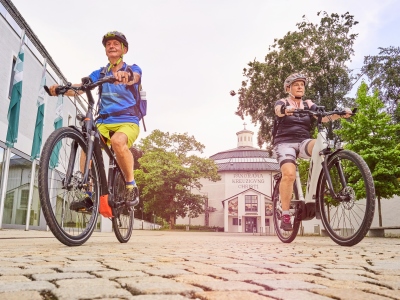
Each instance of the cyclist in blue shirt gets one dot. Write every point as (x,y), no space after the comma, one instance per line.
(117,123)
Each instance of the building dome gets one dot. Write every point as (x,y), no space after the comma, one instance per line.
(245,157)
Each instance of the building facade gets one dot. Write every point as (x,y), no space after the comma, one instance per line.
(20,166)
(241,200)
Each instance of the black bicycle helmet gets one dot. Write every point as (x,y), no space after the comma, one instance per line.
(115,35)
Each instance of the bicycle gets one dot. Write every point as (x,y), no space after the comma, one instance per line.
(340,191)
(71,168)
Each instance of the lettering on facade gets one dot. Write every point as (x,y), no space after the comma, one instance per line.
(247,180)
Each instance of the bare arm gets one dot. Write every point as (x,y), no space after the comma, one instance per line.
(71,93)
(335,117)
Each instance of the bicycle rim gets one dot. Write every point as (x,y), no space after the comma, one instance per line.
(284,236)
(68,226)
(123,216)
(347,220)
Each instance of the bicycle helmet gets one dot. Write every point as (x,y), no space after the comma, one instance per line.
(115,35)
(292,78)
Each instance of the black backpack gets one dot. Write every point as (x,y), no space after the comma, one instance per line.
(139,109)
(278,120)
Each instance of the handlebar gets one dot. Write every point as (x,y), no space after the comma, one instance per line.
(87,85)
(320,112)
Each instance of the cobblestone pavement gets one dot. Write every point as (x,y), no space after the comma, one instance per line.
(163,265)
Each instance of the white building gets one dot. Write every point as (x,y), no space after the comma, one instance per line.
(241,200)
(20,166)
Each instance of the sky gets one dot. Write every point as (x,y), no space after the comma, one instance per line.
(193,52)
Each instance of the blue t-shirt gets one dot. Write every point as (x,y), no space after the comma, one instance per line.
(116,97)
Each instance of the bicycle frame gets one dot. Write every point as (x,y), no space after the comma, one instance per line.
(95,144)
(318,164)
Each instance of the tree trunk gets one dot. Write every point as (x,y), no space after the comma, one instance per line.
(171,222)
(379,211)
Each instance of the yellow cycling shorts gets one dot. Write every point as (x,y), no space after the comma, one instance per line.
(130,129)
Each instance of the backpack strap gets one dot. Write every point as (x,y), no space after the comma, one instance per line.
(133,88)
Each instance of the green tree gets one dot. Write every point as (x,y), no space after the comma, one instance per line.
(320,51)
(383,70)
(372,134)
(169,172)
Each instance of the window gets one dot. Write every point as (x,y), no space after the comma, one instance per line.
(12,77)
(23,204)
(9,201)
(235,221)
(251,203)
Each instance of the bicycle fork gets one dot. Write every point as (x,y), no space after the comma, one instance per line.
(328,178)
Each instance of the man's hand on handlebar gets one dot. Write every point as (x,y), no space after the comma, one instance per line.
(52,90)
(124,77)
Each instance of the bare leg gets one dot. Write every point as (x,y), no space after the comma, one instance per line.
(124,156)
(286,186)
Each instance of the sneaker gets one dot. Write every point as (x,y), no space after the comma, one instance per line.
(84,205)
(286,225)
(132,196)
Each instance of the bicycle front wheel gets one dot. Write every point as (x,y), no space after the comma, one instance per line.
(60,186)
(123,218)
(285,236)
(347,217)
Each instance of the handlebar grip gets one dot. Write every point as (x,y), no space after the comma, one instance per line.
(59,90)
(46,88)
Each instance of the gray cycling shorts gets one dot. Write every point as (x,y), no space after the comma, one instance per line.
(288,152)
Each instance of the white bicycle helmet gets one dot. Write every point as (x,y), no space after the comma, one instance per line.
(292,78)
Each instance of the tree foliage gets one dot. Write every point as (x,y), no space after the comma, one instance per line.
(372,134)
(383,71)
(319,51)
(169,171)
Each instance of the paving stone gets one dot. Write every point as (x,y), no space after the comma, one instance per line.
(160,297)
(89,289)
(349,294)
(58,276)
(221,285)
(25,286)
(156,285)
(119,274)
(237,295)
(165,272)
(19,271)
(12,278)
(294,295)
(288,284)
(18,295)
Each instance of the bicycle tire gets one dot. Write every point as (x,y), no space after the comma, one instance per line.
(348,220)
(70,227)
(123,218)
(284,236)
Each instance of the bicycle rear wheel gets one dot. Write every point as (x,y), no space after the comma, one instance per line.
(60,185)
(348,219)
(123,218)
(285,236)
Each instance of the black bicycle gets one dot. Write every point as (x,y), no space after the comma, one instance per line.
(340,191)
(72,169)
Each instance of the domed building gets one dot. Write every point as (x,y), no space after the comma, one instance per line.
(241,200)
